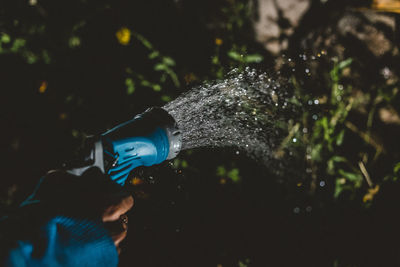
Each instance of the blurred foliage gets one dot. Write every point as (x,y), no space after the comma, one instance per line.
(322,133)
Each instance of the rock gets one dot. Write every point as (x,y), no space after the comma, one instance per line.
(276,21)
(389,116)
(370,28)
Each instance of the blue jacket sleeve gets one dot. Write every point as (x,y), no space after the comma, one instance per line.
(60,225)
(63,241)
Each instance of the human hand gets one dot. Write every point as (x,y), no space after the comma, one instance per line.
(116,221)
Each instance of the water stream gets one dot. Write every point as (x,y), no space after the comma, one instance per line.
(246,111)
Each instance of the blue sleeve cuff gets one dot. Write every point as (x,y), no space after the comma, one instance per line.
(64,241)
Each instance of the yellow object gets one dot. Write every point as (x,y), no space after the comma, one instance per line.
(43,87)
(386,5)
(136,181)
(218,41)
(123,35)
(190,77)
(63,116)
(371,193)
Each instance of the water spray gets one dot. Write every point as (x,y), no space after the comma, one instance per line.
(243,111)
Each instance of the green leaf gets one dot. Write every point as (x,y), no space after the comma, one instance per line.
(154,54)
(144,41)
(184,164)
(331,164)
(235,55)
(130,86)
(253,58)
(168,61)
(18,43)
(46,57)
(396,167)
(338,159)
(173,77)
(157,87)
(339,138)
(325,125)
(165,98)
(163,78)
(339,187)
(345,63)
(146,83)
(160,66)
(215,60)
(316,152)
(75,133)
(74,41)
(5,38)
(221,171)
(353,177)
(234,175)
(31,58)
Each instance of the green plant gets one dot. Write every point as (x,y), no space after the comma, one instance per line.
(163,65)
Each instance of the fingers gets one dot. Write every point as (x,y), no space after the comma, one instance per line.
(117,238)
(114,212)
(114,218)
(118,230)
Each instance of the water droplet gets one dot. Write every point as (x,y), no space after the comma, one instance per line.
(294,140)
(322,183)
(316,101)
(307,70)
(296,210)
(308,208)
(340,86)
(315,117)
(305,130)
(386,73)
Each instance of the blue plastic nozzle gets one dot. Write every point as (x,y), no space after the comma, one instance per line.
(148,139)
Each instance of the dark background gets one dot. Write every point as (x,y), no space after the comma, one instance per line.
(64,74)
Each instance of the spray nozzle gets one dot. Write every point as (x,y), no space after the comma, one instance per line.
(148,139)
